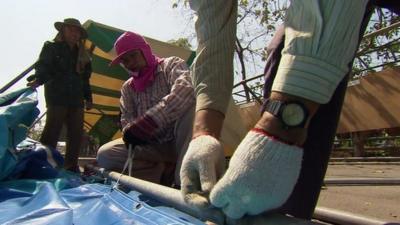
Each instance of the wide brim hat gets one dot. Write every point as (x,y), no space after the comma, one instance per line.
(71,22)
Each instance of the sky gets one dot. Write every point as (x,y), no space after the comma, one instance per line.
(26,24)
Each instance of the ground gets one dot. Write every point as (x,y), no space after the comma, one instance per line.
(378,201)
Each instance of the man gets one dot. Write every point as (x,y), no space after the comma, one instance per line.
(157,104)
(321,38)
(64,67)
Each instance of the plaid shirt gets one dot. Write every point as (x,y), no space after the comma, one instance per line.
(169,96)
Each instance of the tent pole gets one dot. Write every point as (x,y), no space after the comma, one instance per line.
(17,78)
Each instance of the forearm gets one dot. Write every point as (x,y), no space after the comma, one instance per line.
(213,67)
(172,107)
(87,90)
(127,106)
(180,97)
(314,60)
(208,122)
(273,126)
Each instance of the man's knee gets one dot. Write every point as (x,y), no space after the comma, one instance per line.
(103,157)
(111,155)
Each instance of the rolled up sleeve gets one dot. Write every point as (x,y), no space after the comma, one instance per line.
(320,43)
(213,66)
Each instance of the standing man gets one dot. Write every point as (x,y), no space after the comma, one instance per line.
(64,68)
(321,38)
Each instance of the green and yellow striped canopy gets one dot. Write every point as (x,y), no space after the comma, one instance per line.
(102,121)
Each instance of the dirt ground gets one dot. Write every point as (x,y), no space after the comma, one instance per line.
(380,202)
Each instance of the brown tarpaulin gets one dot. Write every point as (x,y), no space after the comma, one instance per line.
(373,103)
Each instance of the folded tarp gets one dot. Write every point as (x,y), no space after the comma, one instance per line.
(17,112)
(37,203)
(35,161)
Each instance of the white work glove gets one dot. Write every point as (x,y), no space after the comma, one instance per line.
(202,165)
(261,175)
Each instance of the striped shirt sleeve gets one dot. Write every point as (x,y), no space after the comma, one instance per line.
(321,38)
(181,96)
(127,104)
(213,66)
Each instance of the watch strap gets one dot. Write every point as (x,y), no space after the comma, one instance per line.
(273,107)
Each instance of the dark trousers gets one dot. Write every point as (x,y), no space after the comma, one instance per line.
(72,117)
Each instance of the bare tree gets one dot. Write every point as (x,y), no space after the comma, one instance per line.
(258,20)
(381,44)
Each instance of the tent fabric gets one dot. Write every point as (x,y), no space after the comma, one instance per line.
(17,112)
(85,204)
(106,81)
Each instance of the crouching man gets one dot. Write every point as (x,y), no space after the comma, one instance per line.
(157,108)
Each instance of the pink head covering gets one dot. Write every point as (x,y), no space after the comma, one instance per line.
(130,41)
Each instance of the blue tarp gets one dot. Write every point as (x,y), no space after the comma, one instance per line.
(35,161)
(86,204)
(17,112)
(33,190)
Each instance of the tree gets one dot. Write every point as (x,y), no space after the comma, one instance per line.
(380,45)
(258,20)
(181,42)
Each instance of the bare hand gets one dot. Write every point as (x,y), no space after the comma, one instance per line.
(33,84)
(88,105)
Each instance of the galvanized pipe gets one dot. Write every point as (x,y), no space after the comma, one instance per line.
(363,163)
(365,159)
(172,198)
(166,195)
(362,181)
(339,217)
(17,78)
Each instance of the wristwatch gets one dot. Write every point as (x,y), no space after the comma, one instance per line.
(291,113)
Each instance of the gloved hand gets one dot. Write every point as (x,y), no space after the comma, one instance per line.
(129,138)
(202,165)
(140,131)
(261,175)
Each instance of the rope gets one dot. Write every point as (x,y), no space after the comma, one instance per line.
(128,164)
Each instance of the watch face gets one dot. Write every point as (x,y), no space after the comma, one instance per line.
(293,114)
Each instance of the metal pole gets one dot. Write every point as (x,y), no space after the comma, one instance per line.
(382,31)
(365,159)
(17,78)
(37,120)
(173,198)
(362,181)
(169,196)
(339,217)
